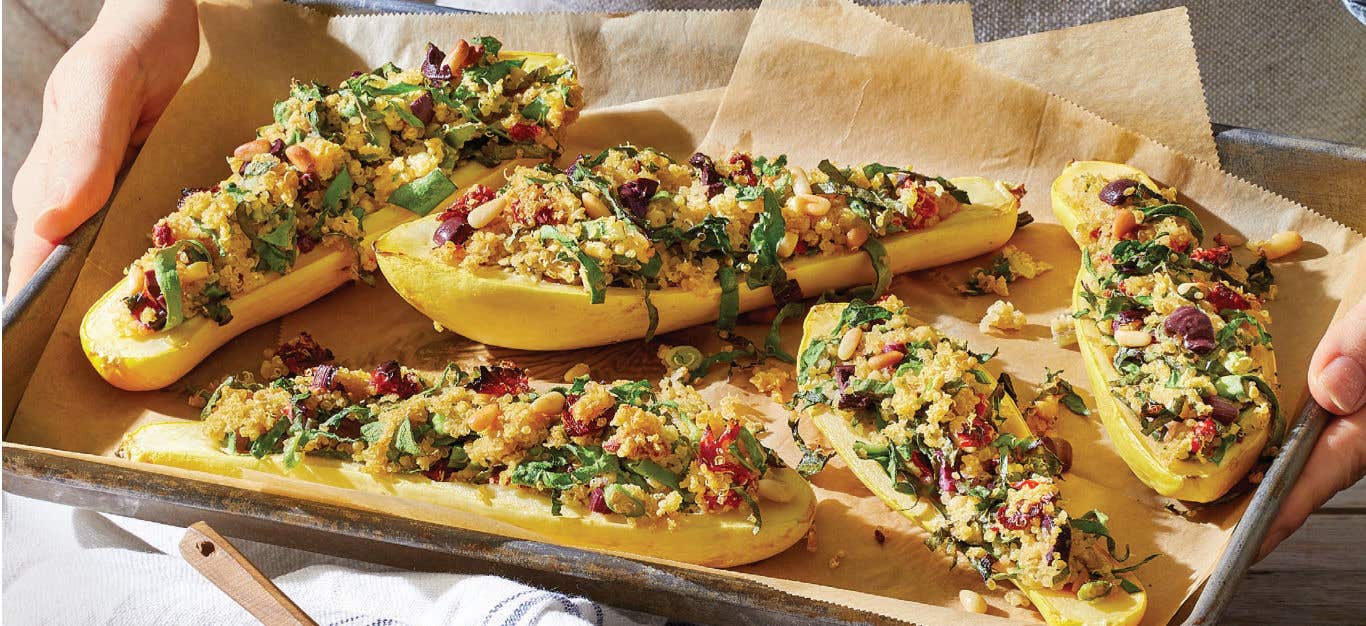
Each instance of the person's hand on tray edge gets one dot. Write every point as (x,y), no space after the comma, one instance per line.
(1337,379)
(99,105)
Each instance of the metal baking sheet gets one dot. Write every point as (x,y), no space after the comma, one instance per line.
(1291,166)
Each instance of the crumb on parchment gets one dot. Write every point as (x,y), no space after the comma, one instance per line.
(1002,315)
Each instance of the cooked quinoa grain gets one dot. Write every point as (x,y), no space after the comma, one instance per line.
(635,218)
(932,419)
(1188,325)
(334,155)
(623,448)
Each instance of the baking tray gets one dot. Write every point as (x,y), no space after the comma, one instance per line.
(1300,169)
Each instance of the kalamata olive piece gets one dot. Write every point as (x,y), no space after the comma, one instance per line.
(1062,449)
(1114,194)
(1193,327)
(455,229)
(1129,316)
(1063,544)
(423,108)
(710,177)
(847,399)
(636,194)
(1225,412)
(434,67)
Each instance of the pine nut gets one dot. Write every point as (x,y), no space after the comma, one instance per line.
(1279,245)
(195,272)
(788,245)
(251,149)
(485,417)
(856,237)
(813,205)
(1124,223)
(850,343)
(461,57)
(484,214)
(885,360)
(774,490)
(549,404)
(972,601)
(301,158)
(137,280)
(579,369)
(801,185)
(593,206)
(598,250)
(1132,338)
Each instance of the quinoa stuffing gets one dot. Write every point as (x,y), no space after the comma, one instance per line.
(1002,315)
(636,218)
(1010,265)
(331,157)
(927,411)
(1187,326)
(623,448)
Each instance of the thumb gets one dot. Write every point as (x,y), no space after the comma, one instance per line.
(90,107)
(1337,373)
(1337,381)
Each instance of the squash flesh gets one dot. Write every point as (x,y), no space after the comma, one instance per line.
(713,540)
(1180,479)
(1057,607)
(486,305)
(137,361)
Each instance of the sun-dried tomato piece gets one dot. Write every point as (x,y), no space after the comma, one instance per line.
(712,449)
(597,501)
(522,131)
(389,378)
(1224,297)
(575,427)
(1219,256)
(501,380)
(301,353)
(162,235)
(742,169)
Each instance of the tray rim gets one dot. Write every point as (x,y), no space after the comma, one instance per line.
(71,478)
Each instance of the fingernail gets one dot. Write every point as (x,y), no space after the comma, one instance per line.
(1345,381)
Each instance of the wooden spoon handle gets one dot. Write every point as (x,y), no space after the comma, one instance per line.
(225,567)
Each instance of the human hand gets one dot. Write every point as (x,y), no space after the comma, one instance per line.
(99,105)
(1337,380)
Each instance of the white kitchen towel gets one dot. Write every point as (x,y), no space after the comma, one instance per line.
(72,566)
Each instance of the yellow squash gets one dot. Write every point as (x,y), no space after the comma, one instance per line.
(495,307)
(719,540)
(135,360)
(132,359)
(1057,607)
(1182,479)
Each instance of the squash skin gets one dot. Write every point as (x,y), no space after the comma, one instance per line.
(146,362)
(722,540)
(1180,479)
(1119,608)
(489,305)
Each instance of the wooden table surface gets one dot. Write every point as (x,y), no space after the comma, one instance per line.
(1318,576)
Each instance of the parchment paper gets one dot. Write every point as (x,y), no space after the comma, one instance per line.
(879,578)
(1139,72)
(891,97)
(229,94)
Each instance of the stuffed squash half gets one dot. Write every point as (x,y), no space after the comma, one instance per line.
(623,466)
(631,242)
(922,424)
(297,216)
(1175,335)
